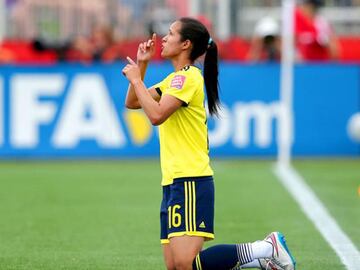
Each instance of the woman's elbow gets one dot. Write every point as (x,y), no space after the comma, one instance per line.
(132,106)
(156,120)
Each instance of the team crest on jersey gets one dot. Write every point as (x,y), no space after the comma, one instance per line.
(178,81)
(186,68)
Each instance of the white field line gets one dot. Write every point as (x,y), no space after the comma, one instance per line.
(319,215)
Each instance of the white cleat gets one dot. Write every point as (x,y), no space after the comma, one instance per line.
(281,258)
(266,264)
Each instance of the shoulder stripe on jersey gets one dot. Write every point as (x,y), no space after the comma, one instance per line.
(186,68)
(158,90)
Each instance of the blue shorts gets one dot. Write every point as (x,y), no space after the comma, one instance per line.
(187,208)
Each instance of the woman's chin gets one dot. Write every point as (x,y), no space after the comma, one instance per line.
(164,55)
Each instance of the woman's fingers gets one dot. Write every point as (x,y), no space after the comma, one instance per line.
(153,40)
(130,61)
(127,67)
(149,43)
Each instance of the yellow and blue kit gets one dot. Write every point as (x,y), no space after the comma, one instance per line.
(187,208)
(188,189)
(184,135)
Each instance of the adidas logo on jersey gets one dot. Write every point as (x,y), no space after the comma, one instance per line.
(202,225)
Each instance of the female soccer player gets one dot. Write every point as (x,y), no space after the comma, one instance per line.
(176,104)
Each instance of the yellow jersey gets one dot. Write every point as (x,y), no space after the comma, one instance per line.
(184,147)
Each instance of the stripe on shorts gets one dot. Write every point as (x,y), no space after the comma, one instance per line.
(190,206)
(186,207)
(198,263)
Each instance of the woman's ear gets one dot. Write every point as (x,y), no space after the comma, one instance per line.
(187,44)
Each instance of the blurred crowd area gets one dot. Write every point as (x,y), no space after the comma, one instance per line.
(50,31)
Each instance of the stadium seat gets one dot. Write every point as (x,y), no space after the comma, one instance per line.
(235,48)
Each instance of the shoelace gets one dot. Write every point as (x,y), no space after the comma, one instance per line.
(270,264)
(273,266)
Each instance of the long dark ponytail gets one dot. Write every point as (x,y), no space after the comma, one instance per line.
(199,36)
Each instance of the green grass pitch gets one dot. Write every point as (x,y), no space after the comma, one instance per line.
(105,214)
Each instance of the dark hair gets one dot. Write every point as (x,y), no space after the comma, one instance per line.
(316,3)
(199,36)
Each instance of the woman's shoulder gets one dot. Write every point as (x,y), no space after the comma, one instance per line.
(190,69)
(190,72)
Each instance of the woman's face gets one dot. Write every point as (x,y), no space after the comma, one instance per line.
(171,43)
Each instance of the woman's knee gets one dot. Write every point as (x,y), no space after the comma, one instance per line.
(183,263)
(170,265)
(168,258)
